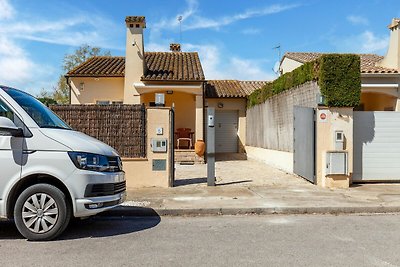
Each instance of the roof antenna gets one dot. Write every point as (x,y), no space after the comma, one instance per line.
(278,47)
(180,28)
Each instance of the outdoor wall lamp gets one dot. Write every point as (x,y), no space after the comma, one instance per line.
(220,105)
(82,86)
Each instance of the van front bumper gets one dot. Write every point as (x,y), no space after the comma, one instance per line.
(92,206)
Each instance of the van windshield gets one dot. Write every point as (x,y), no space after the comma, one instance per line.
(42,115)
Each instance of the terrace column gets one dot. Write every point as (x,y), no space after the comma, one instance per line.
(199,118)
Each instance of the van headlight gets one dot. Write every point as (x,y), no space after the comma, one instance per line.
(92,162)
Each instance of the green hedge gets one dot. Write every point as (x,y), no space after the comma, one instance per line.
(337,75)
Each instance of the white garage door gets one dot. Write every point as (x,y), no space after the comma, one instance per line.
(226,131)
(376,146)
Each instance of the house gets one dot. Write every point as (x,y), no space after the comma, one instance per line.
(177,75)
(380,78)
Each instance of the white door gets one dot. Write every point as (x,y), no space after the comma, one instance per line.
(10,152)
(376,146)
(226,131)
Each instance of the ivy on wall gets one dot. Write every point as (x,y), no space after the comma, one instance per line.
(338,76)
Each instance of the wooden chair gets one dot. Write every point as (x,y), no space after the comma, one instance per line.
(184,134)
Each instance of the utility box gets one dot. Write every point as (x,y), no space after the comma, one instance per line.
(336,163)
(159,145)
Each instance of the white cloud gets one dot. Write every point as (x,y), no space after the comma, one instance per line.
(216,67)
(357,20)
(192,21)
(372,43)
(15,65)
(202,22)
(366,42)
(18,69)
(7,11)
(251,31)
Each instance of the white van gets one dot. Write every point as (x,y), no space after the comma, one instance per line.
(48,172)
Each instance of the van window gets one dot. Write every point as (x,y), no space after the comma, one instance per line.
(5,111)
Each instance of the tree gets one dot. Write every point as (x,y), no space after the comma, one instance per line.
(70,61)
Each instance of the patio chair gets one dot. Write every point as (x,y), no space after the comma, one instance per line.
(184,134)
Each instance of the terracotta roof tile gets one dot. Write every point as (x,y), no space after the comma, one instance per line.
(231,88)
(368,61)
(100,66)
(161,66)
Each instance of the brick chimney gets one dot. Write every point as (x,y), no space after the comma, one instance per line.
(135,65)
(175,47)
(392,58)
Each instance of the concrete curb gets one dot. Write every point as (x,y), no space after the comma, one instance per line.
(142,211)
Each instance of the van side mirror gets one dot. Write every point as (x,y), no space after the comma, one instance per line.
(6,125)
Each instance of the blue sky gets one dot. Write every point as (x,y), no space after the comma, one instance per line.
(235,39)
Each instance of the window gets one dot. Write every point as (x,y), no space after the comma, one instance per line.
(5,111)
(117,102)
(43,116)
(103,102)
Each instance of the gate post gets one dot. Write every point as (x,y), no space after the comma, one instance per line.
(334,147)
(210,147)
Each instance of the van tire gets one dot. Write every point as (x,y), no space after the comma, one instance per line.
(42,212)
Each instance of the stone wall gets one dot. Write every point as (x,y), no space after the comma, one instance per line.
(270,125)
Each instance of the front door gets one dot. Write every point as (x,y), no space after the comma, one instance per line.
(226,131)
(10,152)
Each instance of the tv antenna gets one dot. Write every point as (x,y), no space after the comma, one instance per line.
(278,47)
(180,18)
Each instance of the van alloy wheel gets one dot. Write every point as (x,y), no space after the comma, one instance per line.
(40,213)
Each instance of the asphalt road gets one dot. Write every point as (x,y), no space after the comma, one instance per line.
(311,240)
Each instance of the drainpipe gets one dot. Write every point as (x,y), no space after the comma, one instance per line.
(69,86)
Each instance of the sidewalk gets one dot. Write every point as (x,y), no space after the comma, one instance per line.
(251,187)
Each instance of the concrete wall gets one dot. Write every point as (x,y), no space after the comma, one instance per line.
(270,125)
(238,104)
(139,172)
(278,159)
(96,89)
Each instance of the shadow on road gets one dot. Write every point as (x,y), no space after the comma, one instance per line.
(95,227)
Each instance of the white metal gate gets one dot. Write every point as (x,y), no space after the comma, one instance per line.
(304,142)
(376,146)
(226,131)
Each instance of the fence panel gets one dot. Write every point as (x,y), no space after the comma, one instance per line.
(122,127)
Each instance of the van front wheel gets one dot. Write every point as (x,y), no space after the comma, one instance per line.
(41,212)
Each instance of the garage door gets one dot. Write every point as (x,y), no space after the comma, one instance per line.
(376,146)
(226,131)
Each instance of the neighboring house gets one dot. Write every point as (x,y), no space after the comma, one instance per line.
(137,77)
(229,98)
(380,78)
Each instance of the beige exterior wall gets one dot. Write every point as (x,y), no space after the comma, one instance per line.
(378,102)
(96,89)
(134,63)
(185,108)
(288,65)
(139,173)
(337,119)
(238,104)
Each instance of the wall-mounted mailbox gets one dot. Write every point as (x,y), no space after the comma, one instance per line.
(159,145)
(339,140)
(210,121)
(336,162)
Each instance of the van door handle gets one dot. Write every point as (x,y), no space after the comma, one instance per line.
(27,152)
